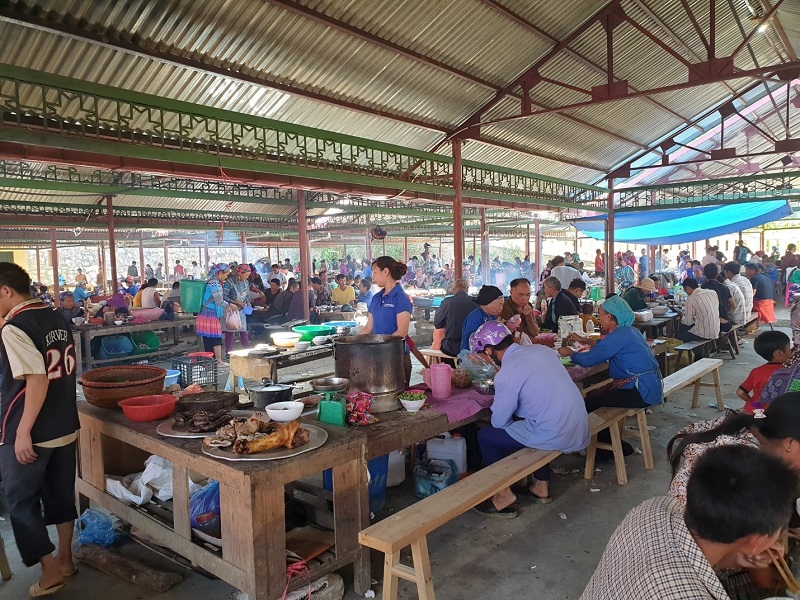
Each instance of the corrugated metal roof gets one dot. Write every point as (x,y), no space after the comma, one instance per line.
(469,51)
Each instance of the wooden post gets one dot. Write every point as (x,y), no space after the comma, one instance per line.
(166,262)
(761,246)
(610,239)
(141,257)
(458,213)
(244,247)
(112,246)
(207,264)
(528,241)
(405,249)
(103,265)
(38,265)
(485,266)
(54,262)
(305,255)
(537,245)
(368,242)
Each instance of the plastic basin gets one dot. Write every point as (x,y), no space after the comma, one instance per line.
(145,338)
(309,332)
(172,377)
(148,408)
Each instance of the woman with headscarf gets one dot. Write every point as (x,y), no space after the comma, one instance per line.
(238,293)
(208,325)
(67,307)
(631,364)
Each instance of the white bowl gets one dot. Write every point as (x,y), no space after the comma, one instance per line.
(412,406)
(659,311)
(78,321)
(285,339)
(284,412)
(118,322)
(319,340)
(302,345)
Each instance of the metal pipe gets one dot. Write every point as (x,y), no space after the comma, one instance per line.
(458,213)
(305,254)
(103,265)
(112,245)
(610,239)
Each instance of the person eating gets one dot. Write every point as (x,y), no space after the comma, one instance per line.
(343,294)
(67,307)
(518,303)
(639,294)
(536,405)
(700,318)
(636,380)
(558,304)
(390,309)
(450,317)
(490,305)
(575,291)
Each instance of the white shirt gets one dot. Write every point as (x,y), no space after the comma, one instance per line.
(708,259)
(702,311)
(747,292)
(565,275)
(739,314)
(149,298)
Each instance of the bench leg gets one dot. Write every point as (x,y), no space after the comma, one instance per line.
(390,580)
(422,568)
(591,454)
(696,394)
(718,389)
(619,458)
(5,568)
(644,437)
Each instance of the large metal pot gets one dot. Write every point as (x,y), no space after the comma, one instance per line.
(262,395)
(373,364)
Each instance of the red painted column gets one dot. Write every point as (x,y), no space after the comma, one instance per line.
(166,262)
(405,249)
(458,213)
(528,241)
(54,261)
(485,265)
(112,245)
(141,257)
(537,259)
(610,239)
(103,266)
(305,255)
(368,242)
(38,266)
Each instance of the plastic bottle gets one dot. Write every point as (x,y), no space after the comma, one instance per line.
(449,446)
(397,468)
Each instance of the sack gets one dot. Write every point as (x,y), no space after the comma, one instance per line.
(233,322)
(433,475)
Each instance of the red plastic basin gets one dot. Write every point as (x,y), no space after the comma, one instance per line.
(148,408)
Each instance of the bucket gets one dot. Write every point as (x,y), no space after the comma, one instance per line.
(192,295)
(378,470)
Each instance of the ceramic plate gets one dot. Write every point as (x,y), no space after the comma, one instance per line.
(166,428)
(318,437)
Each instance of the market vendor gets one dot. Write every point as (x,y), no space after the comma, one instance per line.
(67,307)
(208,325)
(237,292)
(390,309)
(80,293)
(536,405)
(631,364)
(519,303)
(490,305)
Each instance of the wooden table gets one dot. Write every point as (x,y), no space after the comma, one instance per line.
(654,328)
(89,332)
(253,555)
(252,367)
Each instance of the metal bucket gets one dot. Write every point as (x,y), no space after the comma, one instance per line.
(373,364)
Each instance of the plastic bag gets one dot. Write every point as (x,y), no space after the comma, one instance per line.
(204,501)
(232,320)
(95,527)
(478,368)
(129,490)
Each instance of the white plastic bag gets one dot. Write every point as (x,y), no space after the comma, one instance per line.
(139,488)
(129,490)
(158,476)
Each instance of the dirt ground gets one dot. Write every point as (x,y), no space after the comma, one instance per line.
(547,552)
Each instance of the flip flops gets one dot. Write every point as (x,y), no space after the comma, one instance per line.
(526,492)
(488,509)
(36,591)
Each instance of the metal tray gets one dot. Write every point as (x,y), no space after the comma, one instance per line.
(166,428)
(318,437)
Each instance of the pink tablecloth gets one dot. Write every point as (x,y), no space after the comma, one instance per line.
(577,373)
(462,404)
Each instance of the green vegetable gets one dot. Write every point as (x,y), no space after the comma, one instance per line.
(413,396)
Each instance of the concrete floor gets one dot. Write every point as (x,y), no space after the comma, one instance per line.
(547,552)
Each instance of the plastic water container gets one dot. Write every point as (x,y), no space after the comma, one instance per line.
(378,470)
(397,468)
(447,446)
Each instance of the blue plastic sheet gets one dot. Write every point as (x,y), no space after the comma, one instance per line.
(683,225)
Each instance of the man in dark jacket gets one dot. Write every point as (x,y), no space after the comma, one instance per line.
(450,317)
(558,304)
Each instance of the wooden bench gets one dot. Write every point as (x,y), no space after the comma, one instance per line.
(693,374)
(613,419)
(751,323)
(410,526)
(703,347)
(5,568)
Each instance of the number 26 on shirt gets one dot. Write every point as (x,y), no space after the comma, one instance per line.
(58,364)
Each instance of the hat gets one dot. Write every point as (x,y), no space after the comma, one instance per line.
(487,294)
(646,284)
(490,333)
(621,310)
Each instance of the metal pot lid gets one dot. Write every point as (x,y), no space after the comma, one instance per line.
(269,388)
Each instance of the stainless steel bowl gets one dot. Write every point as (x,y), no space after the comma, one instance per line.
(329,384)
(484,387)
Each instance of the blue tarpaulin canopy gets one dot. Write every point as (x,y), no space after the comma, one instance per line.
(682,225)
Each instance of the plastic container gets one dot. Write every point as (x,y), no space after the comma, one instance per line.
(449,447)
(114,346)
(148,408)
(441,381)
(378,471)
(192,295)
(148,338)
(397,468)
(308,332)
(196,369)
(201,354)
(172,377)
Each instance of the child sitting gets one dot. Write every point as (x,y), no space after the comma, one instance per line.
(775,348)
(587,310)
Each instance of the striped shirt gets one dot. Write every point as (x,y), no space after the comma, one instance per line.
(702,313)
(747,291)
(653,555)
(738,314)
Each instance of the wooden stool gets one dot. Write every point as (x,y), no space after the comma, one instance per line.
(5,569)
(435,357)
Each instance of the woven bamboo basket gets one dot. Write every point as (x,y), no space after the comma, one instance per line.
(106,386)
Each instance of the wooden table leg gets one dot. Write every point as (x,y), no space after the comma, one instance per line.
(718,389)
(422,569)
(351,512)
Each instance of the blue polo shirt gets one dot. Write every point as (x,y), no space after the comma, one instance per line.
(384,309)
(474,320)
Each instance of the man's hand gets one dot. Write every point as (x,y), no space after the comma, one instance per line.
(23,448)
(526,310)
(565,351)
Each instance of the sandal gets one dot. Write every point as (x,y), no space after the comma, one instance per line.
(37,591)
(488,509)
(526,491)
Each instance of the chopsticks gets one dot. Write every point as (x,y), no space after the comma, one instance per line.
(784,570)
